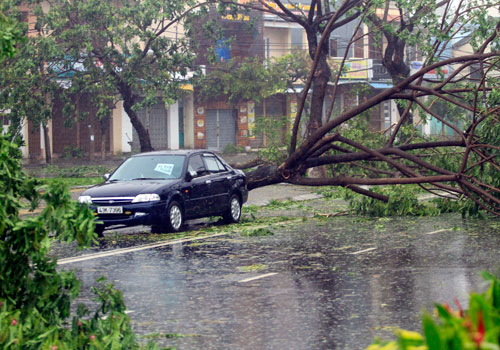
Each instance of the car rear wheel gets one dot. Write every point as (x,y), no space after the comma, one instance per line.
(233,213)
(175,217)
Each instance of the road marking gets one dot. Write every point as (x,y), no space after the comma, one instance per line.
(364,251)
(258,277)
(155,245)
(442,230)
(133,249)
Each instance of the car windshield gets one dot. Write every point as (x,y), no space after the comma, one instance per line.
(157,167)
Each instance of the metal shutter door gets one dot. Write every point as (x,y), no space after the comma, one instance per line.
(156,124)
(211,129)
(227,128)
(220,128)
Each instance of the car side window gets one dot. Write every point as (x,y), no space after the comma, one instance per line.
(213,164)
(196,164)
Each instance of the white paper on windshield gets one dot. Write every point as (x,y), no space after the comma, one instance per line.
(164,168)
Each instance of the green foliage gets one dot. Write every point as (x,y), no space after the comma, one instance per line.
(274,130)
(35,298)
(76,171)
(232,149)
(402,202)
(332,192)
(238,81)
(73,181)
(258,232)
(11,34)
(477,328)
(294,67)
(25,78)
(251,78)
(71,152)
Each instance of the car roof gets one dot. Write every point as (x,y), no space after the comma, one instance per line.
(180,152)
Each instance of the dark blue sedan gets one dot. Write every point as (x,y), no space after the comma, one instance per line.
(163,189)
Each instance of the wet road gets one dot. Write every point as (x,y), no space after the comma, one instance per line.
(317,283)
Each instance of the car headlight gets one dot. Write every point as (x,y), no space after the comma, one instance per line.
(85,199)
(146,197)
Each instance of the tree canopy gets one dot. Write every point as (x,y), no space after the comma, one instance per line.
(252,78)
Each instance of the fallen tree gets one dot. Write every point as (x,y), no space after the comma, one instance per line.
(464,166)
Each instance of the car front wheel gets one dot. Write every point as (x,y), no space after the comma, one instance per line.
(175,217)
(233,213)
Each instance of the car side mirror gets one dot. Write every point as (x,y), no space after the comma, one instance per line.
(191,175)
(106,176)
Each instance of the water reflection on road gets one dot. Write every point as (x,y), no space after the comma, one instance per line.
(338,282)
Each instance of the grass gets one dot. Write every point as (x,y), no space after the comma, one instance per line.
(74,181)
(81,175)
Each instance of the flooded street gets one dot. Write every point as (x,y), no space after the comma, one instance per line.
(313,283)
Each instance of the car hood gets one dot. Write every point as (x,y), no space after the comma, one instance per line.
(129,188)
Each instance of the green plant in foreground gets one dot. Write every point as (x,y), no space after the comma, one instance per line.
(477,328)
(35,298)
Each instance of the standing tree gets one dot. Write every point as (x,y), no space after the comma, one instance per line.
(474,169)
(134,49)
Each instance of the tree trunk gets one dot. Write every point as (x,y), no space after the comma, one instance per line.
(104,123)
(103,144)
(319,86)
(46,141)
(91,143)
(143,133)
(78,140)
(394,62)
(263,176)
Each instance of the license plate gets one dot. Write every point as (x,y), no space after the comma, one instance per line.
(110,210)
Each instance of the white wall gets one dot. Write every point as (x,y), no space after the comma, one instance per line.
(173,126)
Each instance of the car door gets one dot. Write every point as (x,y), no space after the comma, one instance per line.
(219,184)
(197,190)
